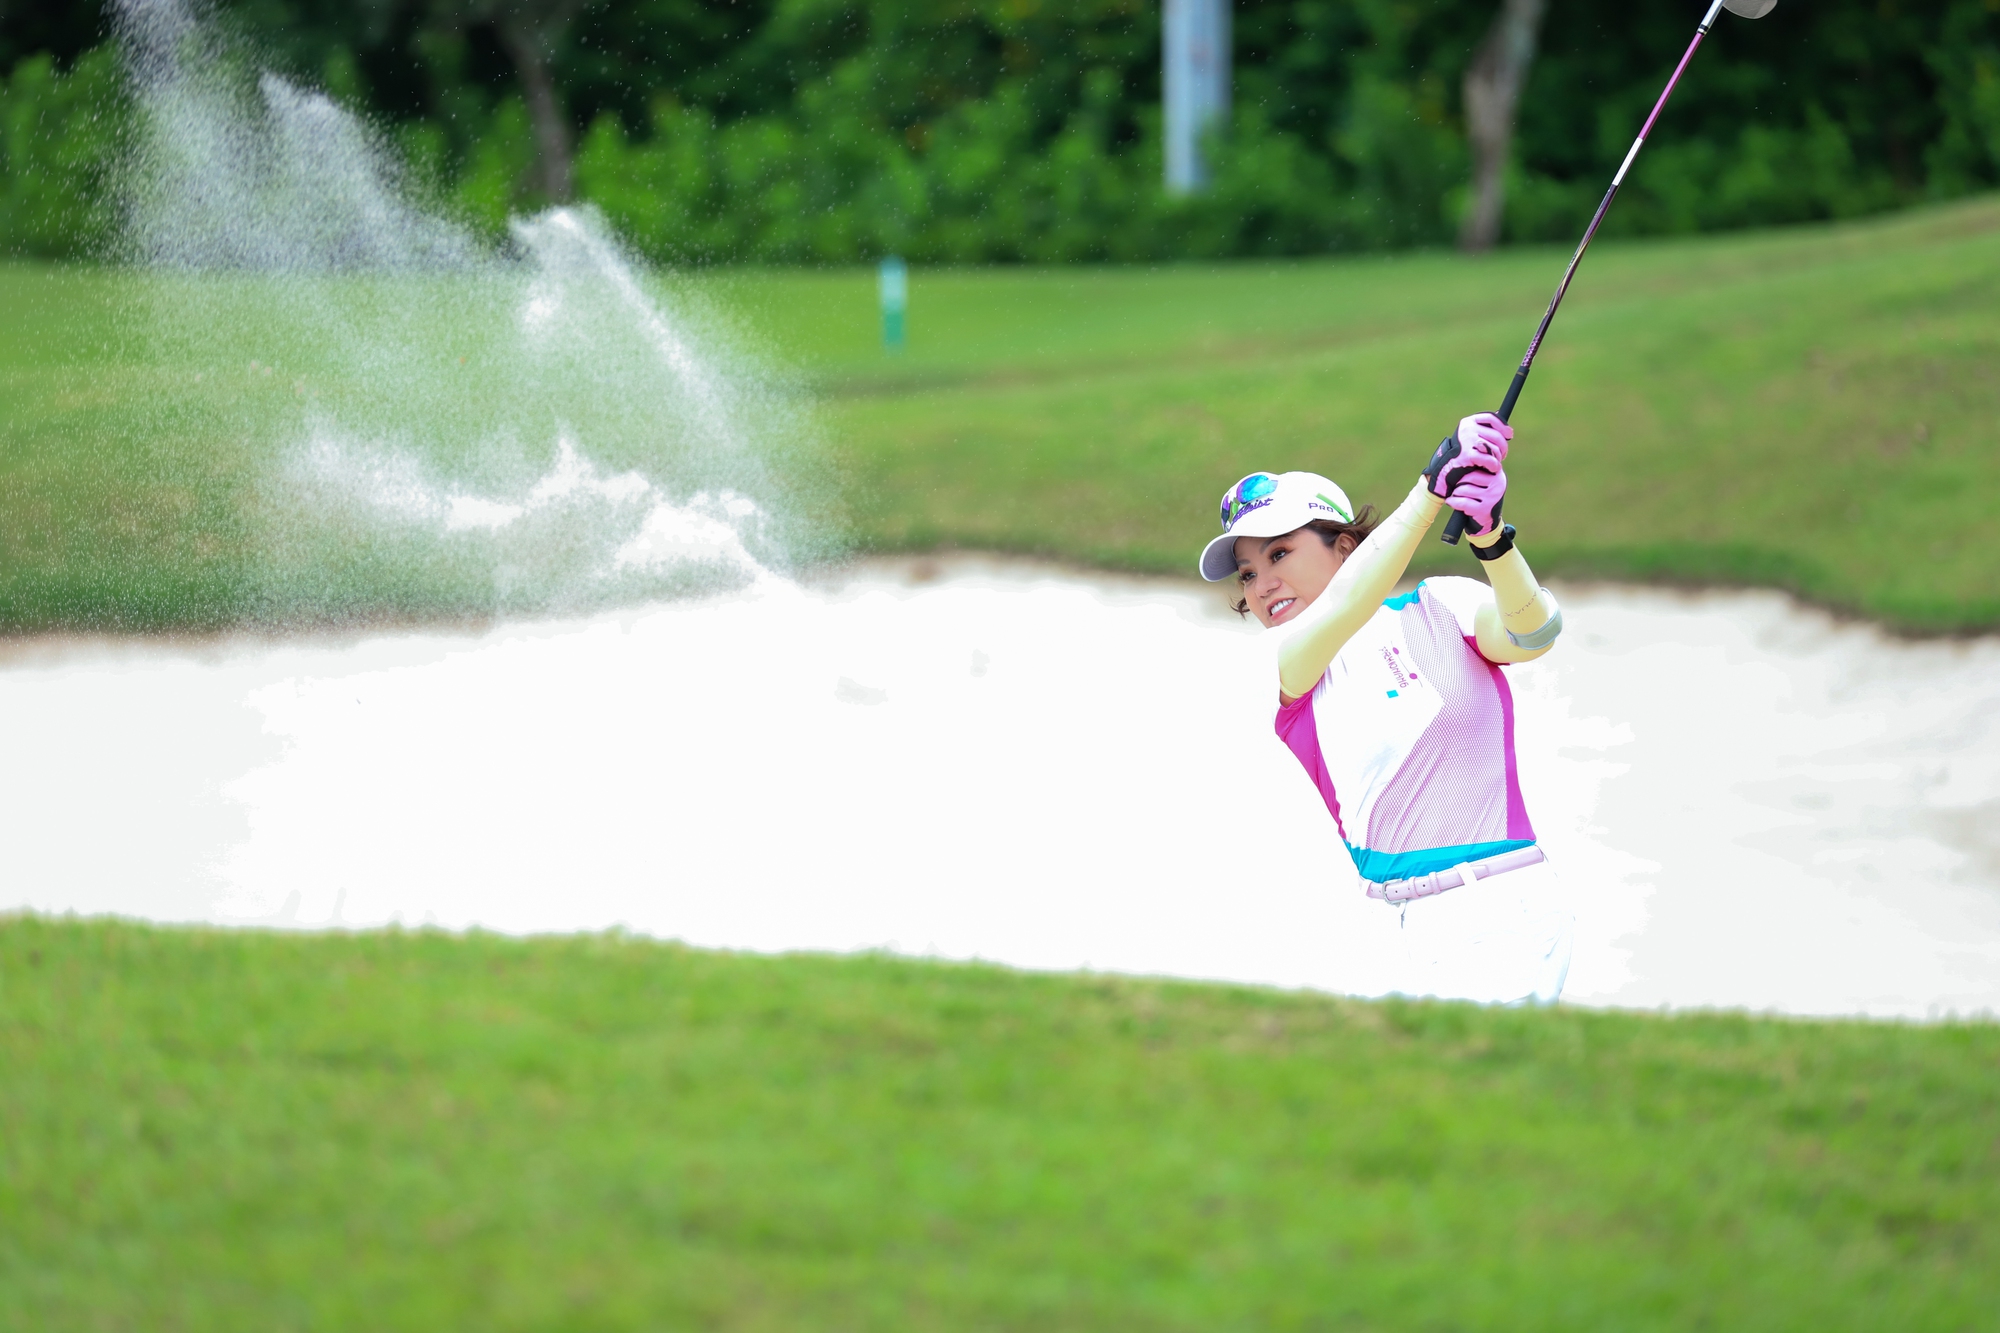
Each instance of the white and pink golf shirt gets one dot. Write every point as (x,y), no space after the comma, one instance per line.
(1410,738)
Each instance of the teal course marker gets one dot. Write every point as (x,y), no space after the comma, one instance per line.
(893,279)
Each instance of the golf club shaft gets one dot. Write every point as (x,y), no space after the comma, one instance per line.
(1454,528)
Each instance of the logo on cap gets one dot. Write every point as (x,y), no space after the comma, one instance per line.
(1253,492)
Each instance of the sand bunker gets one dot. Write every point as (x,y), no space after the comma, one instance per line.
(1757,806)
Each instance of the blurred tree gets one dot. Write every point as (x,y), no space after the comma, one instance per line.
(532,32)
(1493,83)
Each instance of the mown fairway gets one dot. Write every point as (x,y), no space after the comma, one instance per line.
(1810,408)
(1813,409)
(234,1130)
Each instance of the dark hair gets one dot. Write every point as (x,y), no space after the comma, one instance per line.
(1329,532)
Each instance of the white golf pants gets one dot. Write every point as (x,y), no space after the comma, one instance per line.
(1504,940)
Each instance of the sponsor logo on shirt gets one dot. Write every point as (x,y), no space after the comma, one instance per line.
(1403,680)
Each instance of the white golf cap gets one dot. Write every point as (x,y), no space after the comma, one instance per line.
(1266,504)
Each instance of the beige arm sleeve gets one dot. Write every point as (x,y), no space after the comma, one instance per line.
(1519,605)
(1310,643)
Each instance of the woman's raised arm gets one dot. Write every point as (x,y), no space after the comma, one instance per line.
(1310,643)
(1522,621)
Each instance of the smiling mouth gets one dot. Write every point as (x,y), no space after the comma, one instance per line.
(1280,607)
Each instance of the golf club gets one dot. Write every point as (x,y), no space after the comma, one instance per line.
(1749,9)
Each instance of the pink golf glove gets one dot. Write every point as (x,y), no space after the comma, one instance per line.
(1478,496)
(1479,446)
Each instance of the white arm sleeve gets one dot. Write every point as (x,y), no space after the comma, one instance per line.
(1309,644)
(1515,620)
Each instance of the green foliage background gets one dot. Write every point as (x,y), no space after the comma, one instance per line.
(1008,130)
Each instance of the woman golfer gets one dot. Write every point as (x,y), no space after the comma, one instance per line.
(1399,711)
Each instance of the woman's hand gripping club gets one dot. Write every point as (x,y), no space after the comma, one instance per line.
(1467,470)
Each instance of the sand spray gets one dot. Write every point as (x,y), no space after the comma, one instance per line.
(416,420)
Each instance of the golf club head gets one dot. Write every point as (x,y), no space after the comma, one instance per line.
(1750,9)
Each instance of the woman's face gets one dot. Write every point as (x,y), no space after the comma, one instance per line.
(1281,576)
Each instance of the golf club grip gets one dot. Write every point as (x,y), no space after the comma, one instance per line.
(1454,527)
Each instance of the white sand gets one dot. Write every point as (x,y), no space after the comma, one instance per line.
(1756,806)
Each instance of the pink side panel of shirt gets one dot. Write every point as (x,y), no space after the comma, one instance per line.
(1299,730)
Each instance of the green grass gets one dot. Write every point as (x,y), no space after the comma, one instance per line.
(211,1130)
(1809,408)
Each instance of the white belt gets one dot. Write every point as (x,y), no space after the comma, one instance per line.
(1428,886)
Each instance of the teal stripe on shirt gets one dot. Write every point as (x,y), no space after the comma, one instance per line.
(1402,600)
(1381,867)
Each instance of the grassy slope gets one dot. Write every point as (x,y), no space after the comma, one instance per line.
(98,518)
(235,1130)
(1811,408)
